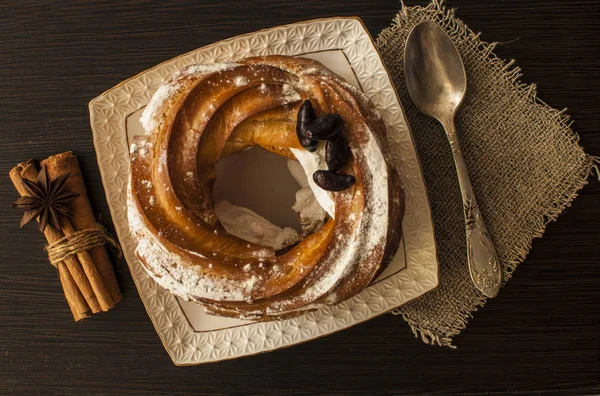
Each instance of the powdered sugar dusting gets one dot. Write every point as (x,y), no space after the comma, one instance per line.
(377,206)
(152,113)
(290,94)
(240,80)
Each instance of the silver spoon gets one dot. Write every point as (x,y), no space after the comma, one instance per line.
(436,82)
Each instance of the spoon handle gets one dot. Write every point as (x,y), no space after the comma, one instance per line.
(484,266)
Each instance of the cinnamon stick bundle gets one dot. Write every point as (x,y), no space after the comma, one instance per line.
(87,277)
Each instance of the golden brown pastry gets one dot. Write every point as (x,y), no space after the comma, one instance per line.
(206,112)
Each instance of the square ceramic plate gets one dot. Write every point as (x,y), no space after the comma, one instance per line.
(189,335)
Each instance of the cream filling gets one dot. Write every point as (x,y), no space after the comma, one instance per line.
(312,205)
(312,162)
(312,215)
(252,227)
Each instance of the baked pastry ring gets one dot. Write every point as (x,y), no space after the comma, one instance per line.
(206,112)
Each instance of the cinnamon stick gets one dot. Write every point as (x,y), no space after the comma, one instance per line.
(84,216)
(100,290)
(77,304)
(77,289)
(94,284)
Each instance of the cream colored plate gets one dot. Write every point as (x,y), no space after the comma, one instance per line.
(189,335)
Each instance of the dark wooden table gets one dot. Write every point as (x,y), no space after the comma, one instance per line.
(540,334)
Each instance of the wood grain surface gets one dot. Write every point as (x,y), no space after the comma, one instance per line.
(540,335)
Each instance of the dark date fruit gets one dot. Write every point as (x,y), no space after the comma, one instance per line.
(325,127)
(331,181)
(306,115)
(309,144)
(337,152)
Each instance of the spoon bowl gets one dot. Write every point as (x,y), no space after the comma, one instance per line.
(435,74)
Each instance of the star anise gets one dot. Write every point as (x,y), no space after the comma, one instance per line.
(47,200)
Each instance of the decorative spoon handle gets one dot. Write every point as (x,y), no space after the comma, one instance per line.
(484,266)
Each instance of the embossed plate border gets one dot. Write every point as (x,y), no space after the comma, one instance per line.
(108,117)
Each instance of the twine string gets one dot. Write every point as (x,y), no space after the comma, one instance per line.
(79,241)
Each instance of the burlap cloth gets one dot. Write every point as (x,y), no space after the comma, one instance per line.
(524,161)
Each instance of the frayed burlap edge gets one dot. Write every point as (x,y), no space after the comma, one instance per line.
(438,12)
